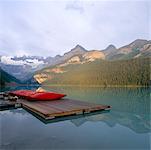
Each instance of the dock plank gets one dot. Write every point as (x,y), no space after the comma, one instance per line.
(63,107)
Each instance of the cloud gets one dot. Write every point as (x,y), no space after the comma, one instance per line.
(32,62)
(48,28)
(75,5)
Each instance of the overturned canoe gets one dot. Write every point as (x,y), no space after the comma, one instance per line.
(33,95)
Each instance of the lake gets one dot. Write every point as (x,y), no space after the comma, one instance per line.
(126,126)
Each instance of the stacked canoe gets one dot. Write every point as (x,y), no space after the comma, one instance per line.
(33,95)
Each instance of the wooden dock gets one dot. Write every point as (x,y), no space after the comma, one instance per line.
(61,108)
(51,109)
(5,105)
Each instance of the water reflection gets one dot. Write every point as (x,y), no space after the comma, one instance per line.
(130,106)
(133,122)
(12,88)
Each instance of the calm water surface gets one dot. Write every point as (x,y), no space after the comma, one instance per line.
(126,126)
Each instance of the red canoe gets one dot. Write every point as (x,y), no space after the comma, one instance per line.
(33,95)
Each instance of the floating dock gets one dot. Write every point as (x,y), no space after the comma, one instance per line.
(51,109)
(5,105)
(60,108)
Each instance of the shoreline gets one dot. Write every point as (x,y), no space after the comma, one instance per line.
(72,85)
(67,85)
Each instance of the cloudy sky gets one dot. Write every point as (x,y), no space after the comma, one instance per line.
(48,28)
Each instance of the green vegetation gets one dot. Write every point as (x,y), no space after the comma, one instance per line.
(104,73)
(132,54)
(6,78)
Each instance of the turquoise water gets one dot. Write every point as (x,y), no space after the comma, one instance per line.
(126,126)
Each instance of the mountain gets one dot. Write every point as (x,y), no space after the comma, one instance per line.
(7,79)
(99,72)
(78,50)
(24,67)
(93,55)
(109,51)
(21,67)
(138,48)
(128,65)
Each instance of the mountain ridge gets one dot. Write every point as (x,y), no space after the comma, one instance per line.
(99,72)
(26,65)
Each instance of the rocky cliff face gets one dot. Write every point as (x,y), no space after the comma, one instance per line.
(40,78)
(93,55)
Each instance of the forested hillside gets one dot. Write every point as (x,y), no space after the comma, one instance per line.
(101,72)
(6,78)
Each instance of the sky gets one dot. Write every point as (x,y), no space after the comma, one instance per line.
(48,28)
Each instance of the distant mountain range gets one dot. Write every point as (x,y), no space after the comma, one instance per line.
(24,67)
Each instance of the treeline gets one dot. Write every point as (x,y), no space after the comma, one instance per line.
(101,72)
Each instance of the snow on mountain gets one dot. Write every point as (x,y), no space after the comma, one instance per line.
(34,63)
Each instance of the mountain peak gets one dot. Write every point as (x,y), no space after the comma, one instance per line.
(111,46)
(78,48)
(138,43)
(78,45)
(109,51)
(139,40)
(58,56)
